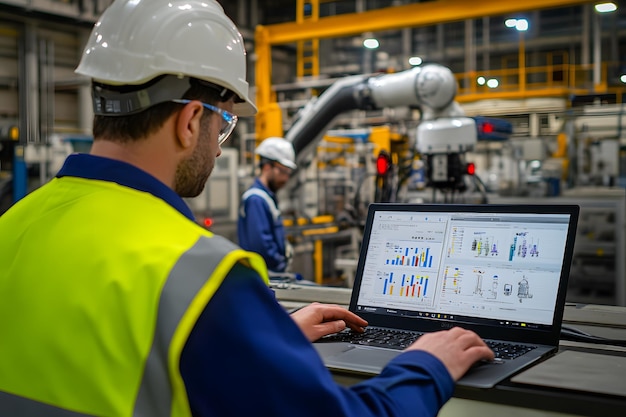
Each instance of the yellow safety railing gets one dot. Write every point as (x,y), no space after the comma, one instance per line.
(560,80)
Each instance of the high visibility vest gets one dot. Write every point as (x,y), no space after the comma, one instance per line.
(101,286)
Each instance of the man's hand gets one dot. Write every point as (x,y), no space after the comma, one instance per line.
(457,348)
(317,320)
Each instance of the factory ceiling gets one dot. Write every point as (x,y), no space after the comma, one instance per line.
(404,14)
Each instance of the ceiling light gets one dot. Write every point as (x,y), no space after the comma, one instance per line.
(606,7)
(371,43)
(415,60)
(521,25)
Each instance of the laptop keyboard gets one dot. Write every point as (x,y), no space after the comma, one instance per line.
(401,339)
(503,350)
(390,339)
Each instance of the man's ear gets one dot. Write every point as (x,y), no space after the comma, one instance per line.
(188,125)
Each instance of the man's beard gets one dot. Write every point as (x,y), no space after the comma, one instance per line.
(273,186)
(193,173)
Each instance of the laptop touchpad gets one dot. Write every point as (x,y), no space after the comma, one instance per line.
(364,358)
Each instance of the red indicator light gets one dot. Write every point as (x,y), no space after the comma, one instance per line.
(487,128)
(208,222)
(382,164)
(471,168)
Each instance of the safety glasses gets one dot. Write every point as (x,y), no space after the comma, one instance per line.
(229,120)
(283,170)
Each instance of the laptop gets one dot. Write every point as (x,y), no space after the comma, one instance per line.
(499,270)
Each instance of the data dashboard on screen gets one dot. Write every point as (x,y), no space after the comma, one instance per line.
(483,265)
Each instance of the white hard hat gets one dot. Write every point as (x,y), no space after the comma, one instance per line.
(279,150)
(136,41)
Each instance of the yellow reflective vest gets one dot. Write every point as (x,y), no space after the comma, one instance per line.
(101,286)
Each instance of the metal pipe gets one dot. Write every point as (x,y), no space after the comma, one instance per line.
(432,86)
(313,120)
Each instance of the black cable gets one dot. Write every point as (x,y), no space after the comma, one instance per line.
(405,170)
(360,215)
(575,330)
(576,335)
(482,188)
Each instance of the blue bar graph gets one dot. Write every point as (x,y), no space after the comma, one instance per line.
(413,287)
(409,256)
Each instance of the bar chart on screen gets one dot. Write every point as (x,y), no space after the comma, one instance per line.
(410,287)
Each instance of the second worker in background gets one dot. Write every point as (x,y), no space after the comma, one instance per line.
(260,226)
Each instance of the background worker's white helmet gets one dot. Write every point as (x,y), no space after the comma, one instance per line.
(279,150)
(135,41)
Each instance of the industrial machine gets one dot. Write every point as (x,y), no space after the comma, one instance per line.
(443,129)
(442,135)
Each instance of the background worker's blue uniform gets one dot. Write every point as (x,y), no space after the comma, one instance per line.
(260,227)
(246,356)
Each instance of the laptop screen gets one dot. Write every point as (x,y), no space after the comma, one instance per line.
(492,265)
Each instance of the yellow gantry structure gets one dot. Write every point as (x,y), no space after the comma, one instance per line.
(308,49)
(304,30)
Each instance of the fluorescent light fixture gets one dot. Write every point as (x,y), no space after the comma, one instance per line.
(481,80)
(371,43)
(493,83)
(415,61)
(606,7)
(510,23)
(521,25)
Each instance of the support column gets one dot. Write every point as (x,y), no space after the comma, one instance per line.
(470,54)
(584,47)
(597,52)
(486,44)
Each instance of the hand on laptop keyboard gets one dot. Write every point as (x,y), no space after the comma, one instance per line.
(457,348)
(504,350)
(317,320)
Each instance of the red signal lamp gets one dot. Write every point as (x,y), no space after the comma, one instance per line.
(487,128)
(470,169)
(383,163)
(208,222)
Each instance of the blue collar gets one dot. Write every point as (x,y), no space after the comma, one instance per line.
(105,169)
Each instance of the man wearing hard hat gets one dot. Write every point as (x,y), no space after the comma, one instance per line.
(260,225)
(115,302)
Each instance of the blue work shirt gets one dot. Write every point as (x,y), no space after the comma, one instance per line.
(247,357)
(260,231)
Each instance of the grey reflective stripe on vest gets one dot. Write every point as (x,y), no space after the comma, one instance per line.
(186,278)
(265,196)
(16,406)
(154,399)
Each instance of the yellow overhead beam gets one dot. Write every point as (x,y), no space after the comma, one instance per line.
(409,15)
(268,120)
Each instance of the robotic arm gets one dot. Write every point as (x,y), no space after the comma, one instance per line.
(443,135)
